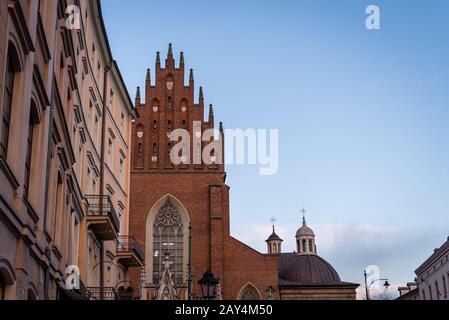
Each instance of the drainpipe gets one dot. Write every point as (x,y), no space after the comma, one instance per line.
(102,152)
(189,288)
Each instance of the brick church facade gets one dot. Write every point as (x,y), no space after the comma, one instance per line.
(182,211)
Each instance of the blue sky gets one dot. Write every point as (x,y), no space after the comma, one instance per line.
(363,116)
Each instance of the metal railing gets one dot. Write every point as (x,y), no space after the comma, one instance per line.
(108,293)
(98,203)
(129,243)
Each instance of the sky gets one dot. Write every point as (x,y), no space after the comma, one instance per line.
(363,116)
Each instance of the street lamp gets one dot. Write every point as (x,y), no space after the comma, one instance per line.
(208,285)
(367,287)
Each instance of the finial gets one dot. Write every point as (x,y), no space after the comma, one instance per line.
(303,211)
(273,221)
(170,50)
(137,97)
(201,93)
(221,127)
(181,59)
(191,76)
(158,58)
(149,75)
(211,110)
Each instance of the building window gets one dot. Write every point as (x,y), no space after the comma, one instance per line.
(168,239)
(139,150)
(430,293)
(184,124)
(154,150)
(29,150)
(169,126)
(304,245)
(110,153)
(122,123)
(154,125)
(122,164)
(2,289)
(169,148)
(310,245)
(170,102)
(437,289)
(444,287)
(111,101)
(7,106)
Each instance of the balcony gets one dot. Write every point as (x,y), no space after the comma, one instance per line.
(108,293)
(102,218)
(129,252)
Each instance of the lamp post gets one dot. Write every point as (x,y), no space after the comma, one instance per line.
(367,287)
(208,285)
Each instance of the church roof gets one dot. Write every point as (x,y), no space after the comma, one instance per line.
(273,237)
(305,230)
(307,270)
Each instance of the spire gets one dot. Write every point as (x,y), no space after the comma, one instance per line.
(181,60)
(211,110)
(221,128)
(158,59)
(201,94)
(170,62)
(148,75)
(191,78)
(170,51)
(137,104)
(303,211)
(211,115)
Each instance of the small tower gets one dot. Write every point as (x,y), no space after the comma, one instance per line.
(305,238)
(274,242)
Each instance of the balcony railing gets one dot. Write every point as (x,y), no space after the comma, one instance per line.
(129,243)
(102,205)
(108,293)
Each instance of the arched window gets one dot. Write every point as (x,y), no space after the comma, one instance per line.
(184,126)
(139,150)
(2,289)
(304,245)
(31,295)
(32,122)
(170,103)
(155,105)
(249,292)
(154,125)
(168,241)
(154,149)
(169,126)
(7,105)
(169,148)
(310,245)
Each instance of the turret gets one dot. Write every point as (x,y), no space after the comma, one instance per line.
(158,60)
(211,116)
(137,104)
(170,62)
(305,238)
(181,61)
(274,243)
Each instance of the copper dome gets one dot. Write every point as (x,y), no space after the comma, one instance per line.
(306,270)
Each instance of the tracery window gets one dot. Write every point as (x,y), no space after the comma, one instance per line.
(168,240)
(249,293)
